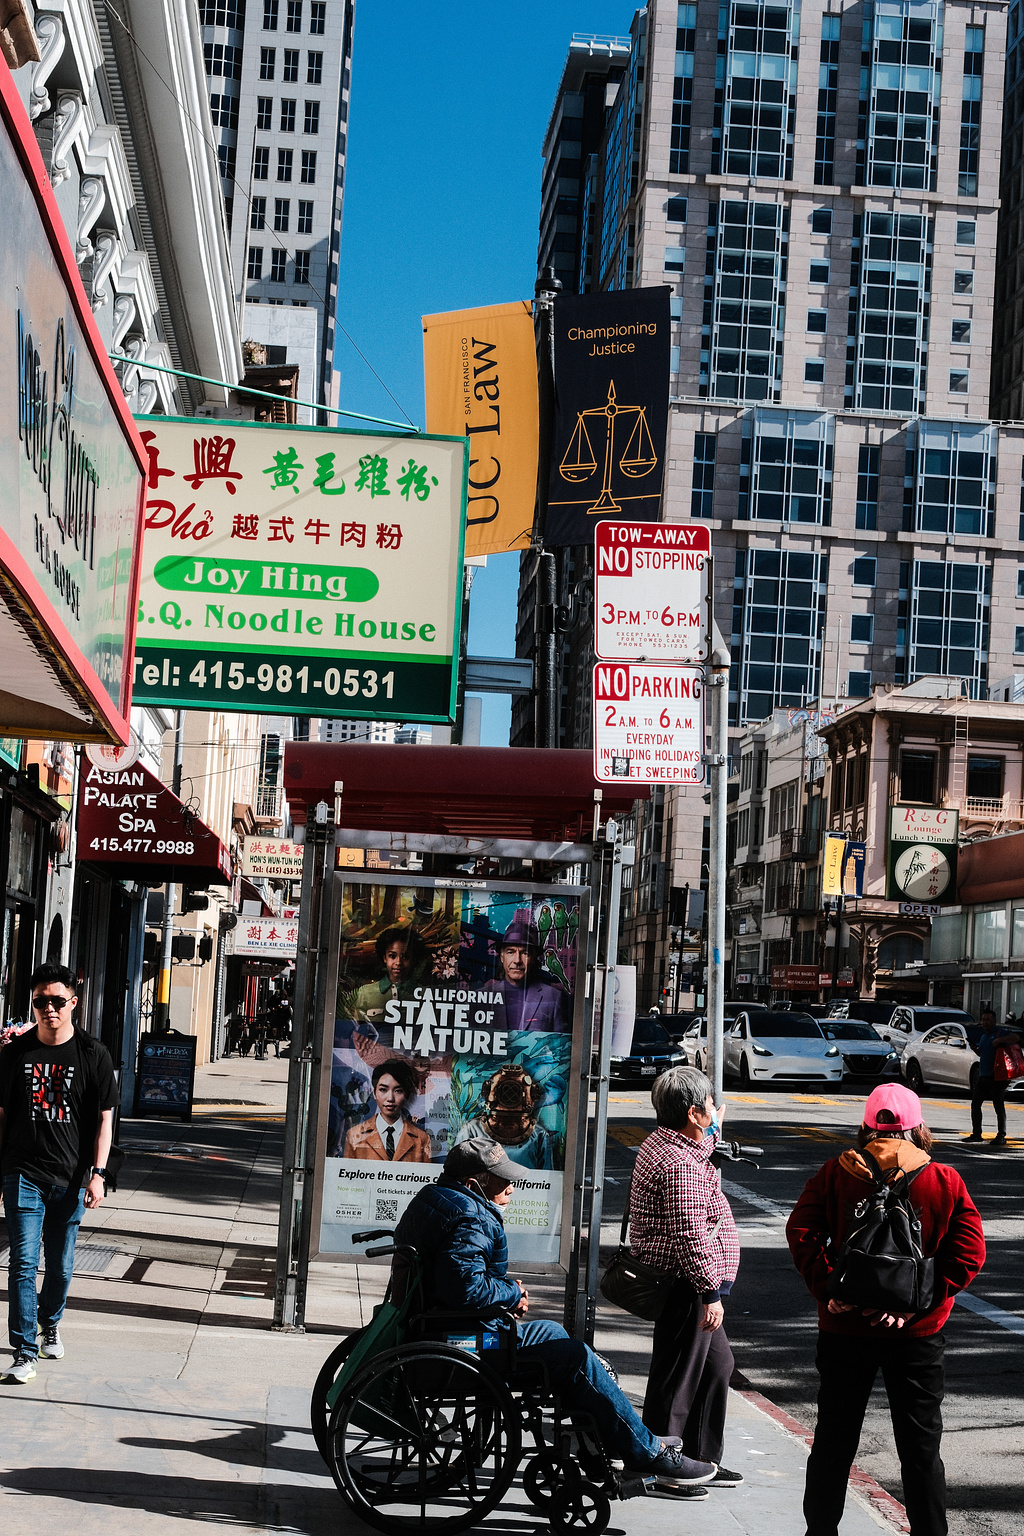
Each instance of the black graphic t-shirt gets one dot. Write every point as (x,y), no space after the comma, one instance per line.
(51,1096)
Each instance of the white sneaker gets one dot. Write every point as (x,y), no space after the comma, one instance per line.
(21,1370)
(51,1348)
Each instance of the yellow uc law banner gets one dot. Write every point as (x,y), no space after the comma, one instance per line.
(832,865)
(480,367)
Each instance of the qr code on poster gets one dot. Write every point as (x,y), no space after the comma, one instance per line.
(386,1210)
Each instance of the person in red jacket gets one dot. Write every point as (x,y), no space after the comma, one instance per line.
(853,1345)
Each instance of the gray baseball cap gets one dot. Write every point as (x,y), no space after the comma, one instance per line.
(480,1155)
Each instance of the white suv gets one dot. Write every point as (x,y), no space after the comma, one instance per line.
(908,1026)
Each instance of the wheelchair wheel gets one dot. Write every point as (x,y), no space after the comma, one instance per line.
(541,1477)
(580,1506)
(426,1438)
(319,1412)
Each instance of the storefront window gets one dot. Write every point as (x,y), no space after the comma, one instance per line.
(1017,935)
(23,847)
(948,936)
(990,934)
(1015,998)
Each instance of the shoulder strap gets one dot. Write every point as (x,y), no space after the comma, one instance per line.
(874,1166)
(625,1214)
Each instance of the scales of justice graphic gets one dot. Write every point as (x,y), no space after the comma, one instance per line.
(638,457)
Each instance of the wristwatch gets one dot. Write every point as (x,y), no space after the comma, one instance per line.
(98,1173)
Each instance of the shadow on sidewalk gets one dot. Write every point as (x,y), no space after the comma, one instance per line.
(244,1447)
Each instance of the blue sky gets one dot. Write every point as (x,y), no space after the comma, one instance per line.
(442,196)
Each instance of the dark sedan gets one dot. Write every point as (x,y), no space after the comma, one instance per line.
(652,1052)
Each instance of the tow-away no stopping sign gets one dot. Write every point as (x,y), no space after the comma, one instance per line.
(648,723)
(652,587)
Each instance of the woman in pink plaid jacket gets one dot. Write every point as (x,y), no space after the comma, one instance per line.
(680,1222)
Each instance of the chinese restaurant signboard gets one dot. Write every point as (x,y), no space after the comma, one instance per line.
(72,471)
(470,994)
(269,858)
(299,570)
(921,865)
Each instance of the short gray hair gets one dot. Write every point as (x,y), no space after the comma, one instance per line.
(676,1092)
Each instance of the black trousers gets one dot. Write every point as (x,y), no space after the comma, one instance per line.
(989,1088)
(912,1371)
(688,1385)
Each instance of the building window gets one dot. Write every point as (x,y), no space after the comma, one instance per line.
(290,71)
(984,778)
(814,371)
(989,934)
(258,213)
(309,166)
(284,164)
(892,276)
(959,381)
(949,622)
(675,258)
(226,161)
(966,230)
(304,224)
(270,8)
(675,210)
(828,91)
(917,777)
(221,59)
(1018,640)
(862,628)
(287,114)
(755,136)
(786,467)
(778,614)
(956,479)
(222,13)
(267,59)
(960,333)
(255,268)
(264,113)
(294,22)
(317,17)
(818,272)
(278,263)
(702,496)
(281,207)
(682,107)
(817,321)
(744,299)
(224,110)
(821,221)
(260,163)
(314,68)
(858,685)
(302,266)
(865,569)
(963,282)
(311,117)
(900,110)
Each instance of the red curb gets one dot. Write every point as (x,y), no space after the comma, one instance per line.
(889,1508)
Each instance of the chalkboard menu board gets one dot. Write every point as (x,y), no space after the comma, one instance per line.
(167,1070)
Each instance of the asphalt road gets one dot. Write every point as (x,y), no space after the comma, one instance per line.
(771,1319)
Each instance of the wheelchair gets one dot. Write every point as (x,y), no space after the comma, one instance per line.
(424,1417)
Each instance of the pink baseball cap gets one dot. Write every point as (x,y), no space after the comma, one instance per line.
(900,1102)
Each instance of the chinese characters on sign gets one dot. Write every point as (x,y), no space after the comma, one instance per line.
(922,858)
(291,569)
(271,938)
(269,858)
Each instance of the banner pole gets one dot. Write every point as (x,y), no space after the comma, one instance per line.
(546,288)
(575,1305)
(717,760)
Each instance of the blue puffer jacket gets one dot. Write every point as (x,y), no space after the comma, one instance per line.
(460,1238)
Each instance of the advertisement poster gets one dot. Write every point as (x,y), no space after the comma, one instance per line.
(453,1018)
(480,370)
(611,410)
(301,570)
(923,842)
(167,1069)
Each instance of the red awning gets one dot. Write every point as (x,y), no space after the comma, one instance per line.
(137,829)
(515,793)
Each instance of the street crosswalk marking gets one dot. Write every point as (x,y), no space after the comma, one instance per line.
(992,1314)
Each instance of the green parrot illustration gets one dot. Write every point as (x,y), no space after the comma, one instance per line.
(544,924)
(554,965)
(561,922)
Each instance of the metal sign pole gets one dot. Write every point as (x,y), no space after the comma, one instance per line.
(574,1318)
(295,1218)
(620,856)
(717,760)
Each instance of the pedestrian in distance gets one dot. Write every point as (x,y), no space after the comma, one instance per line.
(855,1342)
(988,1086)
(680,1222)
(57,1097)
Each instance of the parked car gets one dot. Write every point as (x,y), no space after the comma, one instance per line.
(876,1013)
(781,1047)
(652,1052)
(865,1054)
(695,1040)
(908,1026)
(678,1023)
(947,1057)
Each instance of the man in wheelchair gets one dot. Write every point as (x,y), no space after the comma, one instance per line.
(457,1230)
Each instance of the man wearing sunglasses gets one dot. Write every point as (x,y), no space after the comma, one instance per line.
(57,1097)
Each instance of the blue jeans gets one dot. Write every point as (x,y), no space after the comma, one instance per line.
(583,1384)
(46,1215)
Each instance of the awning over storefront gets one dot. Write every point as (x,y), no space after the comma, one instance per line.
(72,472)
(135,828)
(444,798)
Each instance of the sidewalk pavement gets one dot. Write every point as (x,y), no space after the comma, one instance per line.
(176,1403)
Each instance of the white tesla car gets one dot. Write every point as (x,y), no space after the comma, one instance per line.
(780,1047)
(946,1058)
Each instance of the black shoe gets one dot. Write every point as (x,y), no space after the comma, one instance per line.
(674,1470)
(671,1491)
(974,1136)
(723,1478)
(1000,1140)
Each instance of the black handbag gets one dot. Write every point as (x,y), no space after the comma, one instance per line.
(636,1287)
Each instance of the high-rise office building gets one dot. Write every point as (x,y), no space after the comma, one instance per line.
(819,186)
(278,73)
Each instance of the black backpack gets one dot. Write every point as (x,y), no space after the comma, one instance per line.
(881,1264)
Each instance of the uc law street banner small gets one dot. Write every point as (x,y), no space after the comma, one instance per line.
(480,371)
(611,411)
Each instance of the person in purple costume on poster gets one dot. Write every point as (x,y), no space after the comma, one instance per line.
(530,1002)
